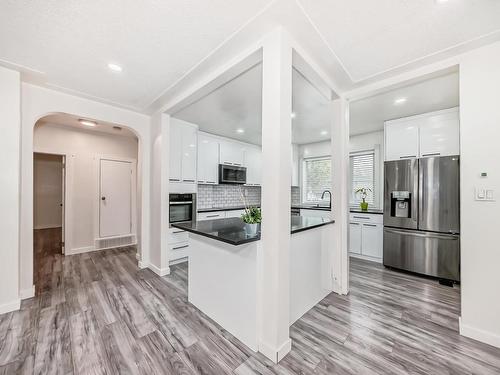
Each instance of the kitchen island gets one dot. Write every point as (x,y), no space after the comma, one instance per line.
(224,265)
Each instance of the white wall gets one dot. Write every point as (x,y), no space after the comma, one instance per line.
(369,141)
(10,122)
(37,102)
(479,137)
(82,147)
(48,191)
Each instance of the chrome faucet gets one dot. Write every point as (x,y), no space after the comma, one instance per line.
(323,196)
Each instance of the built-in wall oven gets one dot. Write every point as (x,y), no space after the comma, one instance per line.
(182,208)
(231,174)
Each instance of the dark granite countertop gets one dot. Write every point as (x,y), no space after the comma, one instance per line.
(232,230)
(311,207)
(234,208)
(358,210)
(213,209)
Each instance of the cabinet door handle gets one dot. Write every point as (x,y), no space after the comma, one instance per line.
(180,247)
(432,154)
(210,182)
(354,223)
(370,225)
(188,180)
(212,215)
(408,156)
(178,231)
(361,217)
(174,179)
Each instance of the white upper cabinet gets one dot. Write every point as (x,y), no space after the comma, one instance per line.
(232,153)
(401,139)
(208,159)
(189,146)
(253,162)
(175,156)
(439,134)
(182,156)
(429,134)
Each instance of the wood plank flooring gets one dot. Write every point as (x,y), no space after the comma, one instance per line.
(97,313)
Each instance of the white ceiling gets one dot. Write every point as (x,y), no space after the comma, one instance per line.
(72,122)
(371,37)
(368,115)
(68,44)
(238,105)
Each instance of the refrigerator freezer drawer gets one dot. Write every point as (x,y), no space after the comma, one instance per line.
(427,253)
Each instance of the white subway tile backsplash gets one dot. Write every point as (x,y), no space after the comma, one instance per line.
(222,196)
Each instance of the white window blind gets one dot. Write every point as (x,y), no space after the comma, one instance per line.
(317,177)
(362,166)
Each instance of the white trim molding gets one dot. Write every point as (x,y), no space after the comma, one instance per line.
(10,306)
(27,293)
(275,354)
(479,334)
(159,271)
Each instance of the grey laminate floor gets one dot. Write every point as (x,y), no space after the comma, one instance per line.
(99,314)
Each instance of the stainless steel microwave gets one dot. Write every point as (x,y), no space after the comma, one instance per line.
(232,174)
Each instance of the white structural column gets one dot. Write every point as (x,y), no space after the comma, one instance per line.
(10,128)
(340,194)
(273,259)
(157,256)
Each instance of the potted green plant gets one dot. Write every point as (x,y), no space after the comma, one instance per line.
(252,217)
(364,193)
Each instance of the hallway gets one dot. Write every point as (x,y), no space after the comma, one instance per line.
(98,313)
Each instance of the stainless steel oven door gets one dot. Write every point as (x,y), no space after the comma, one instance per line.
(180,212)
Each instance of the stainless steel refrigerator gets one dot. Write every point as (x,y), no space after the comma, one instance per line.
(422,216)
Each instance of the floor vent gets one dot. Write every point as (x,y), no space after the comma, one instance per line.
(106,243)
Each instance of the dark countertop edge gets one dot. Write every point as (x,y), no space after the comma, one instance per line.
(235,243)
(214,209)
(305,207)
(224,208)
(359,211)
(312,226)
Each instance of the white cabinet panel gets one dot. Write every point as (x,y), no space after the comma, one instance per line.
(315,213)
(355,238)
(188,159)
(439,134)
(401,139)
(232,153)
(234,213)
(253,162)
(210,215)
(175,156)
(372,240)
(208,159)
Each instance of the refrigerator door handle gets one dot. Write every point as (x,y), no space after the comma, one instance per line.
(422,234)
(416,199)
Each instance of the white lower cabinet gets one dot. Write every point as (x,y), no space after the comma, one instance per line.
(211,215)
(178,243)
(234,213)
(366,235)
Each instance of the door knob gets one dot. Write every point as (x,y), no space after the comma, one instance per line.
(103,198)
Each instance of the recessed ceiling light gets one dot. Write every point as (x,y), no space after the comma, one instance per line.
(87,122)
(241,131)
(400,101)
(293,115)
(324,132)
(115,67)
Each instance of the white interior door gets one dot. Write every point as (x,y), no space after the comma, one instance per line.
(63,204)
(115,198)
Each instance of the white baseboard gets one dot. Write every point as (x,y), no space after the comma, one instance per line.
(27,293)
(138,256)
(479,334)
(79,250)
(142,264)
(275,354)
(177,261)
(159,271)
(10,306)
(364,257)
(50,226)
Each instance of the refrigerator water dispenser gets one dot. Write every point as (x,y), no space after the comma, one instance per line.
(401,204)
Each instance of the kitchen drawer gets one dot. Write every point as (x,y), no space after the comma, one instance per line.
(211,215)
(177,235)
(366,218)
(234,213)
